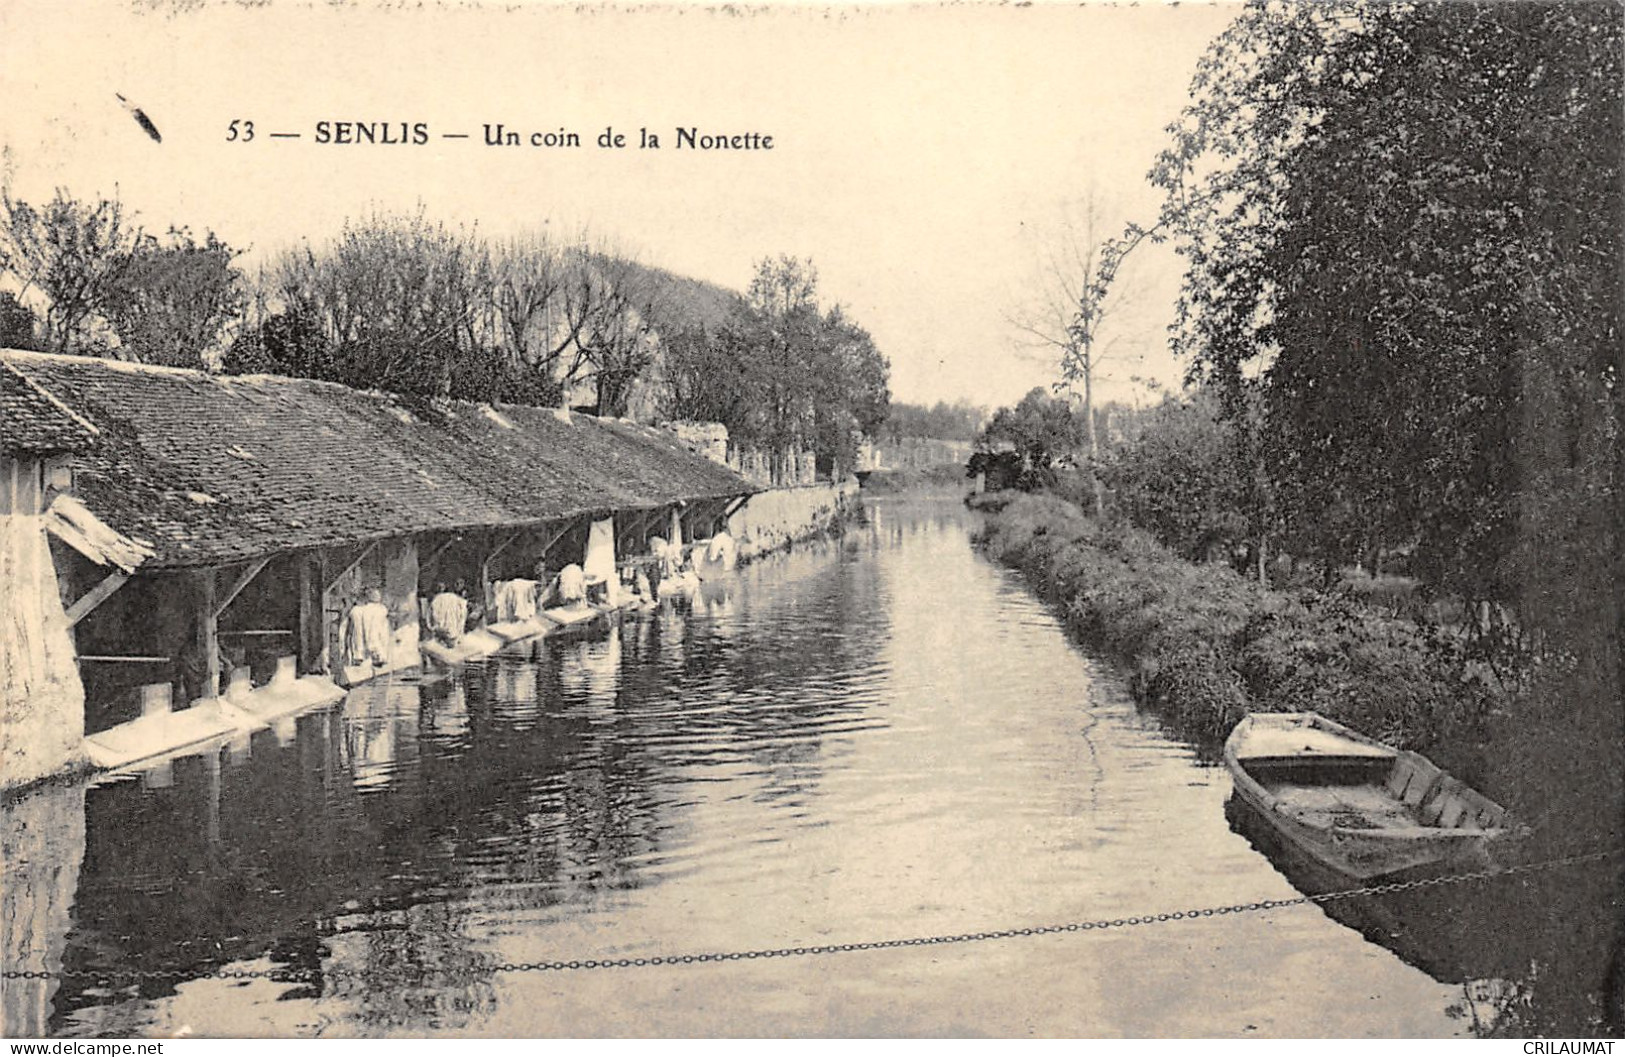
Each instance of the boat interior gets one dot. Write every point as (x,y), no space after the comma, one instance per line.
(1363,792)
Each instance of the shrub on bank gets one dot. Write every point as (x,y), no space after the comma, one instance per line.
(1207,645)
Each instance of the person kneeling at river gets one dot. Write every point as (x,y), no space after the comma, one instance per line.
(367,635)
(448,615)
(572,586)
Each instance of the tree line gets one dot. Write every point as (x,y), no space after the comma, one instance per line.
(959,420)
(408,305)
(783,372)
(1401,229)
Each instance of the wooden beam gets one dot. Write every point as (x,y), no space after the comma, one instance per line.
(558,534)
(243,580)
(328,582)
(95,597)
(638,528)
(503,546)
(437,552)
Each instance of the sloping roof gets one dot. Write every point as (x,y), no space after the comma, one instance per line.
(32,421)
(213,468)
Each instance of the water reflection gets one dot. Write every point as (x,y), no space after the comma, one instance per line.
(875,736)
(42,849)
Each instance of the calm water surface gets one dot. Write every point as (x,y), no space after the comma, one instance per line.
(880,737)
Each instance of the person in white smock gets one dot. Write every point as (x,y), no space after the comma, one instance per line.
(367,636)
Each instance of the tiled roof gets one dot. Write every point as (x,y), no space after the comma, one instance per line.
(31,421)
(214,468)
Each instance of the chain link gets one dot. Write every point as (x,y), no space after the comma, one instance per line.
(291,975)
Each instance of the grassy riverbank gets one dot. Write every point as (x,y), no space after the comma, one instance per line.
(1208,646)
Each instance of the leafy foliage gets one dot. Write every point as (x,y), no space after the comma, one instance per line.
(1043,429)
(1177,475)
(109,288)
(960,420)
(170,304)
(781,372)
(17,323)
(71,255)
(1401,224)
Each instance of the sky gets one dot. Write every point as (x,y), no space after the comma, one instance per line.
(926,158)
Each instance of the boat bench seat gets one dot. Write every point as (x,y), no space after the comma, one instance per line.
(1412,778)
(1457,806)
(1440,800)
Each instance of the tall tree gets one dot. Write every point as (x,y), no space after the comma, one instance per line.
(617,341)
(780,372)
(171,304)
(70,255)
(1375,202)
(399,300)
(1074,293)
(1402,227)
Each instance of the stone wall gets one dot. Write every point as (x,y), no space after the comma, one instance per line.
(778,517)
(42,702)
(709,439)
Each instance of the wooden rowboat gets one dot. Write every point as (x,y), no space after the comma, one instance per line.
(1358,806)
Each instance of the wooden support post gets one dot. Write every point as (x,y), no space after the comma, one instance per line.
(485,578)
(243,580)
(685,518)
(638,527)
(208,632)
(713,515)
(95,597)
(312,636)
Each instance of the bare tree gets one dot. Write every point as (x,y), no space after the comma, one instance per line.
(528,277)
(174,300)
(620,342)
(1073,291)
(399,299)
(600,322)
(783,285)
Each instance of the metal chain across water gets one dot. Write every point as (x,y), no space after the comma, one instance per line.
(310,975)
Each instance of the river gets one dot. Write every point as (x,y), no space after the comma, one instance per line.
(876,737)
